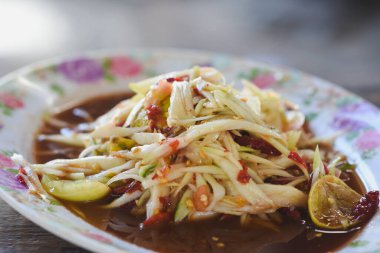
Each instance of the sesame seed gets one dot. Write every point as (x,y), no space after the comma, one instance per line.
(204,198)
(220,245)
(214,238)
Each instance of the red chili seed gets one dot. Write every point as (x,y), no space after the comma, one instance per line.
(367,206)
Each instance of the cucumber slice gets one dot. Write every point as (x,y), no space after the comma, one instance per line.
(78,191)
(182,210)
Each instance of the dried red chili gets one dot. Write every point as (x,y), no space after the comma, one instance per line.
(21,171)
(327,171)
(173,143)
(292,212)
(158,219)
(154,114)
(243,176)
(196,91)
(367,206)
(297,159)
(128,188)
(166,202)
(178,78)
(258,144)
(182,78)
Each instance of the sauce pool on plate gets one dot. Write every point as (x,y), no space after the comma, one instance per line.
(222,234)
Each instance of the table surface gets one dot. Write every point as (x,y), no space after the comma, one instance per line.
(336,40)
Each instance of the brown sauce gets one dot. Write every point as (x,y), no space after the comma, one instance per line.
(203,236)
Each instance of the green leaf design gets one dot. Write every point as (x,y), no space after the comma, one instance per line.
(352,135)
(11,170)
(57,89)
(55,203)
(359,243)
(250,75)
(6,110)
(254,73)
(311,116)
(310,97)
(8,153)
(369,154)
(52,68)
(109,77)
(346,101)
(150,73)
(106,64)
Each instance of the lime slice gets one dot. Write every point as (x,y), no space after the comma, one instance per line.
(80,190)
(331,203)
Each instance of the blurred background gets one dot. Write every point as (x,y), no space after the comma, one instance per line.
(334,39)
(338,40)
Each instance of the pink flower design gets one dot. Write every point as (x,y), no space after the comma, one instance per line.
(11,101)
(124,67)
(6,162)
(81,70)
(264,80)
(7,178)
(360,108)
(369,140)
(10,180)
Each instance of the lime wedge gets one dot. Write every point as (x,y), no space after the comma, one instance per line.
(80,190)
(331,203)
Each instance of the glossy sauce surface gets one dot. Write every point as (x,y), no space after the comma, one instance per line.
(216,235)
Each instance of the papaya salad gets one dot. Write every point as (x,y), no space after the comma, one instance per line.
(189,146)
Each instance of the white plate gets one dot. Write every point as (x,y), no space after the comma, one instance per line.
(26,94)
